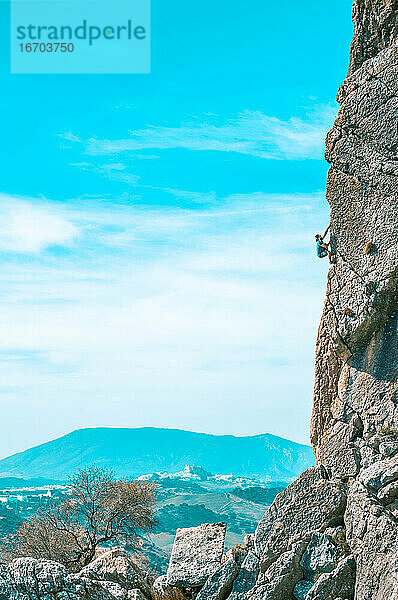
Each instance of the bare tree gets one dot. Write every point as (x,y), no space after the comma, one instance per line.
(97,510)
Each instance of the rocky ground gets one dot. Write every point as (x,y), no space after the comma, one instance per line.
(112,576)
(332,534)
(319,563)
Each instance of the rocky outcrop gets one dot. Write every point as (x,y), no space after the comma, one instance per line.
(113,576)
(320,556)
(199,567)
(246,578)
(337,584)
(278,581)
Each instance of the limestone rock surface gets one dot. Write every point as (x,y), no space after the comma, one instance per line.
(279,580)
(113,576)
(116,566)
(337,584)
(219,585)
(196,554)
(31,579)
(376,27)
(310,503)
(320,556)
(160,586)
(246,578)
(354,427)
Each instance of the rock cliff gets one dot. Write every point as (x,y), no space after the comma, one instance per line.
(333,533)
(354,427)
(355,416)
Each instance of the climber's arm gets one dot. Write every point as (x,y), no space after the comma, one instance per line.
(326,232)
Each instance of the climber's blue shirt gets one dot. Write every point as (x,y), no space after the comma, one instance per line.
(321,252)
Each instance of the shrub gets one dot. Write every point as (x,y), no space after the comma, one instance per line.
(174,594)
(341,542)
(97,510)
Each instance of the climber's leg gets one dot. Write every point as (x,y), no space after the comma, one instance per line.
(330,255)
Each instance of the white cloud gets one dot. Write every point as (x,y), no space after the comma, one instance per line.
(26,227)
(251,133)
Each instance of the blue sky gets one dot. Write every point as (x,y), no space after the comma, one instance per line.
(156,231)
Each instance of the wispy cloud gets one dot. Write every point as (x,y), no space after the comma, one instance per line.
(251,133)
(113,171)
(70,137)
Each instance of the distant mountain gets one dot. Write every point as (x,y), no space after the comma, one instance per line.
(137,451)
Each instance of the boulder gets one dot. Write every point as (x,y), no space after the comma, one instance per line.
(196,554)
(79,588)
(337,452)
(219,585)
(337,584)
(31,579)
(247,577)
(379,474)
(280,579)
(117,566)
(39,576)
(320,556)
(160,586)
(311,503)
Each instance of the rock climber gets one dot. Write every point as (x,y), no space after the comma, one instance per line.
(322,247)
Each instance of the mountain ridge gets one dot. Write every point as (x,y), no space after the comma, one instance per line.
(139,450)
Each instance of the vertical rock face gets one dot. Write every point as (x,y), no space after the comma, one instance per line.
(354,427)
(357,345)
(355,417)
(376,27)
(362,191)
